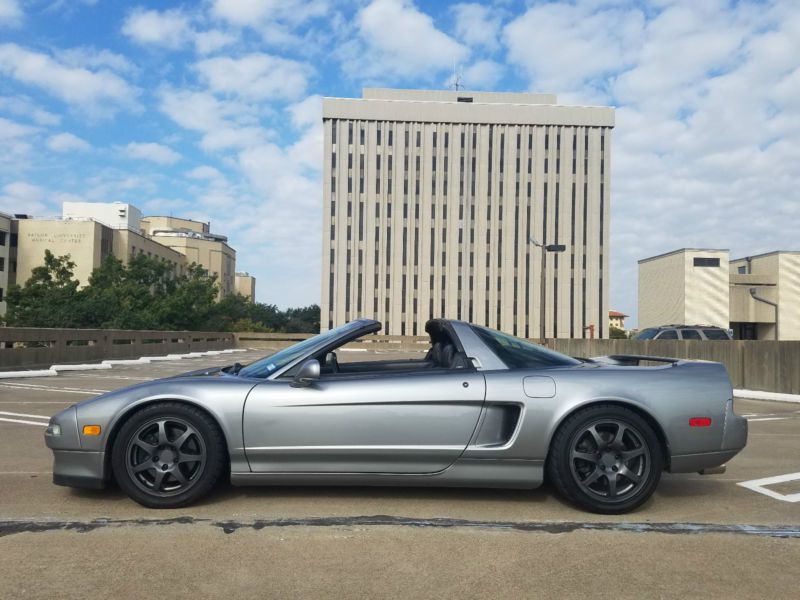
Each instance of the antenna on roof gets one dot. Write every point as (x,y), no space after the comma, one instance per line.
(456,78)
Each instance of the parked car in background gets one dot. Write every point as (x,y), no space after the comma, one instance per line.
(685,332)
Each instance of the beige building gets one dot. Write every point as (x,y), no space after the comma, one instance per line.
(86,241)
(5,259)
(90,231)
(211,251)
(687,286)
(430,198)
(774,277)
(616,319)
(246,286)
(704,287)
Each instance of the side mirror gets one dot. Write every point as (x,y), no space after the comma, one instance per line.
(308,374)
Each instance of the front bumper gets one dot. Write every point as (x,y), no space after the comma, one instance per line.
(79,468)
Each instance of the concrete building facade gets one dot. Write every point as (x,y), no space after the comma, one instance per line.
(430,199)
(687,286)
(90,231)
(5,258)
(704,287)
(246,286)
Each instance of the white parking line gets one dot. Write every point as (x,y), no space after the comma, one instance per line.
(46,389)
(12,414)
(757,485)
(23,422)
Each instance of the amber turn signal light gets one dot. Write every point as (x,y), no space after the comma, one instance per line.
(91,430)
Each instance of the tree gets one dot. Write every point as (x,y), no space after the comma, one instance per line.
(48,299)
(615,333)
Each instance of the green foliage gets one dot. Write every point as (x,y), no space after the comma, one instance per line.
(144,294)
(615,333)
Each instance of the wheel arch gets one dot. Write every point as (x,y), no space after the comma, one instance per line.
(663,441)
(132,409)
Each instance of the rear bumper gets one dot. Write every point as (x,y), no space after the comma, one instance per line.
(79,468)
(694,463)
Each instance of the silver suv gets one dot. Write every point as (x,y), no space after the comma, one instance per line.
(685,332)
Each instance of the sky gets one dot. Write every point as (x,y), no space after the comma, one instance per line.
(211,110)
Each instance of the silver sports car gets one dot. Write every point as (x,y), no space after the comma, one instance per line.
(481,409)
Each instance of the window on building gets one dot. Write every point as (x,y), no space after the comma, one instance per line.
(2,238)
(2,264)
(465,99)
(702,261)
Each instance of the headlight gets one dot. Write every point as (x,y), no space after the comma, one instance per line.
(53,429)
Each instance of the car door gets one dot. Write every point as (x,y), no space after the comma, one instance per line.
(371,423)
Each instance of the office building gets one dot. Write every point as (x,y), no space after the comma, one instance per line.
(757,297)
(430,198)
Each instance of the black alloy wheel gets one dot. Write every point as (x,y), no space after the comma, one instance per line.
(606,459)
(168,455)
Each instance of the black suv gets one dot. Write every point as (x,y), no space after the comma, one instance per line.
(684,332)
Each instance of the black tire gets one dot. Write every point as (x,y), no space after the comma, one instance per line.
(592,466)
(168,455)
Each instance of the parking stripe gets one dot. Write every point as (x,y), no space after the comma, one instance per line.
(23,422)
(13,414)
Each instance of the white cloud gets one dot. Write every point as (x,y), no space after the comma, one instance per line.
(204,172)
(307,112)
(477,25)
(210,41)
(10,12)
(92,58)
(21,197)
(223,123)
(21,106)
(561,46)
(99,92)
(483,74)
(255,76)
(66,142)
(168,29)
(253,13)
(157,153)
(399,41)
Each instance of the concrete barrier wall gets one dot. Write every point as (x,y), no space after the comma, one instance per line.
(754,365)
(32,348)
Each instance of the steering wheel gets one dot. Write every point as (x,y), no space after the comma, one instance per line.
(332,361)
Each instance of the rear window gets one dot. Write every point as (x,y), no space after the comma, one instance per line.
(647,334)
(519,354)
(690,334)
(716,334)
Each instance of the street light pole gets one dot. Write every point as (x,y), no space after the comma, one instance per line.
(545,248)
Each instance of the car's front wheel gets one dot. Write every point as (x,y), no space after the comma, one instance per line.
(168,455)
(606,459)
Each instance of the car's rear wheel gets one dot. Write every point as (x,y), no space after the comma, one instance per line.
(168,455)
(606,459)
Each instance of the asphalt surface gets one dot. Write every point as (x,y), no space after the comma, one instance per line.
(699,536)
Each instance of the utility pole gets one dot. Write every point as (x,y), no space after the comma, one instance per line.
(542,299)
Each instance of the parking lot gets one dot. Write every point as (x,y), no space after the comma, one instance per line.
(698,536)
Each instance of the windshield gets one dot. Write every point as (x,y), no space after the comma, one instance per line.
(519,354)
(647,334)
(266,366)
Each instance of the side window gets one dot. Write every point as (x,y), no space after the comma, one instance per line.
(690,334)
(669,334)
